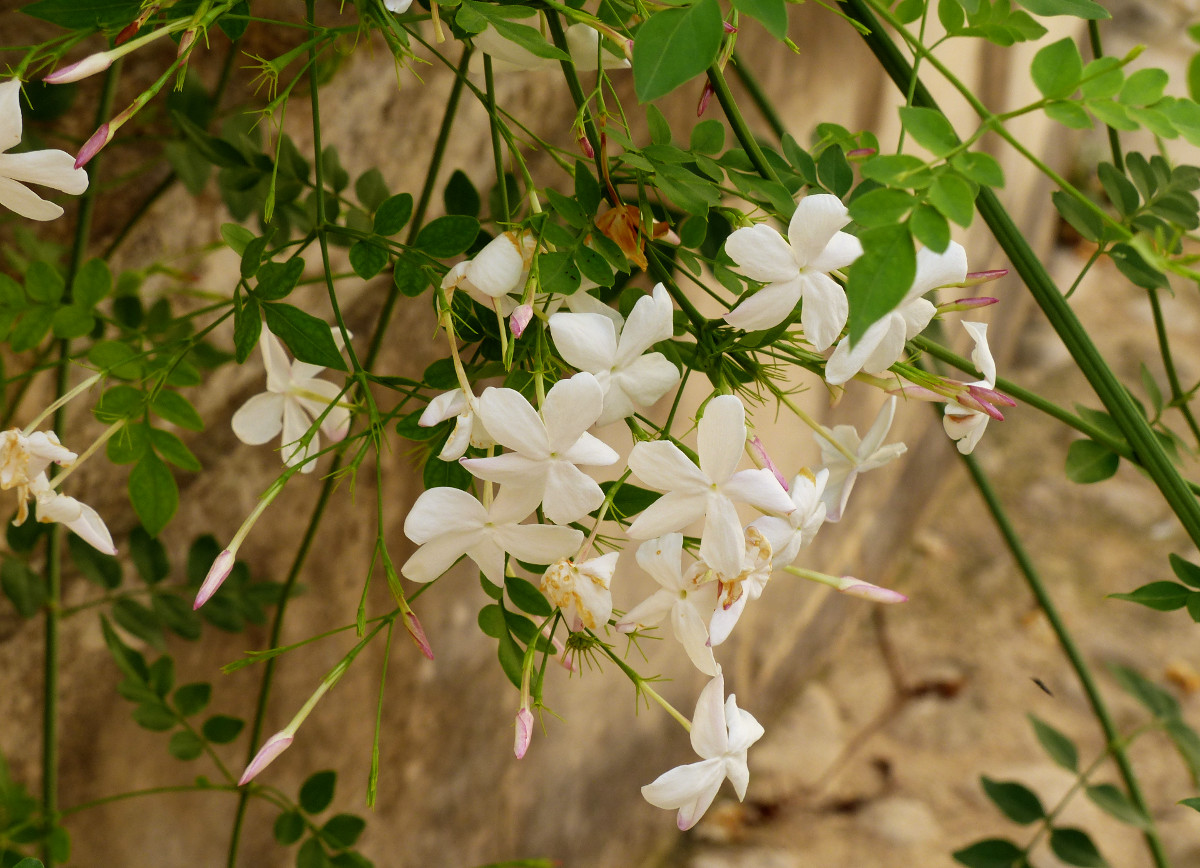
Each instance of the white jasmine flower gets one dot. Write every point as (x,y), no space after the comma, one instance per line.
(79,518)
(688,597)
(294,398)
(794,531)
(964,425)
(397,6)
(497,270)
(583,44)
(869,453)
(54,169)
(25,457)
(545,449)
(737,590)
(797,267)
(882,344)
(589,342)
(468,428)
(581,590)
(448,523)
(707,491)
(721,734)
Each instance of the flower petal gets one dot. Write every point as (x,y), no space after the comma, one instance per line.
(663,465)
(761,489)
(649,322)
(689,629)
(45,168)
(513,423)
(649,612)
(768,307)
(538,543)
(710,736)
(938,269)
(260,419)
(642,383)
(22,201)
(722,543)
(762,254)
(981,356)
(275,360)
(10,114)
(814,223)
(825,310)
(586,341)
(721,437)
(441,511)
(571,407)
(673,511)
(570,493)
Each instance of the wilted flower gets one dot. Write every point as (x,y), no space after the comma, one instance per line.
(581,590)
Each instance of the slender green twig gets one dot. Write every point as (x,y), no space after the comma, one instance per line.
(559,37)
(494,127)
(1178,397)
(1114,139)
(1111,735)
(740,129)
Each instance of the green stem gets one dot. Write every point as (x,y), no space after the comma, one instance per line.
(589,125)
(758,96)
(1178,398)
(494,127)
(740,130)
(1114,140)
(54,539)
(1111,735)
(1058,312)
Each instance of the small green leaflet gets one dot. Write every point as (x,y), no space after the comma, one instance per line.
(309,338)
(880,277)
(674,46)
(1087,9)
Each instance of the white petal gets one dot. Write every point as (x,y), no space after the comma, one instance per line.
(842,250)
(768,307)
(275,360)
(710,736)
(879,428)
(296,423)
(916,315)
(21,200)
(538,543)
(848,360)
(45,168)
(441,511)
(689,629)
(397,6)
(762,254)
(663,465)
(722,543)
(982,354)
(459,439)
(825,310)
(725,618)
(90,528)
(938,269)
(688,786)
(443,407)
(586,341)
(649,322)
(671,512)
(570,493)
(511,467)
(499,268)
(744,730)
(760,489)
(260,419)
(507,55)
(336,422)
(488,555)
(649,612)
(813,225)
(591,451)
(642,384)
(661,558)
(513,423)
(721,437)
(10,114)
(571,407)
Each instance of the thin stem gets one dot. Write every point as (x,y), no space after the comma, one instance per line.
(740,130)
(1178,398)
(494,127)
(589,125)
(54,539)
(1033,580)
(1114,140)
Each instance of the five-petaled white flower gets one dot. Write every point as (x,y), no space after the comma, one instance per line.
(721,734)
(794,531)
(868,454)
(468,429)
(581,590)
(448,523)
(589,342)
(688,597)
(497,270)
(796,267)
(708,490)
(294,398)
(738,589)
(961,423)
(882,344)
(46,168)
(547,448)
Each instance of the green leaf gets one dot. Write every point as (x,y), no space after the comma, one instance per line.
(1102,78)
(1086,9)
(708,137)
(673,46)
(310,339)
(880,277)
(192,698)
(222,729)
(771,14)
(897,170)
(311,855)
(367,259)
(371,190)
(1187,742)
(130,662)
(1088,461)
(527,598)
(154,716)
(247,326)
(1116,804)
(954,198)
(217,151)
(342,830)
(1193,803)
(587,188)
(930,128)
(447,236)
(1070,115)
(881,207)
(153,493)
(992,853)
(317,792)
(460,195)
(834,171)
(149,556)
(1075,847)
(72,322)
(43,283)
(410,279)
(1156,700)
(1185,571)
(1060,748)
(930,228)
(1193,77)
(1120,189)
(177,615)
(1111,113)
(173,407)
(595,267)
(558,273)
(1131,264)
(1057,69)
(84,14)
(1016,801)
(92,283)
(276,280)
(529,38)
(1144,87)
(1162,596)
(139,621)
(979,167)
(289,827)
(23,587)
(1082,219)
(185,745)
(393,215)
(97,567)
(171,449)
(31,329)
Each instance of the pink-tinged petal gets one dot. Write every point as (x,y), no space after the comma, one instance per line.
(938,269)
(724,619)
(663,465)
(524,736)
(46,169)
(814,223)
(760,489)
(723,543)
(438,555)
(571,407)
(689,629)
(443,511)
(10,114)
(24,202)
(721,437)
(649,612)
(570,493)
(848,360)
(671,512)
(513,423)
(260,419)
(271,748)
(762,254)
(296,423)
(842,250)
(510,467)
(768,307)
(662,558)
(744,731)
(443,407)
(982,354)
(586,341)
(519,320)
(538,543)
(825,310)
(217,574)
(275,360)
(81,69)
(710,736)
(590,451)
(649,322)
(865,590)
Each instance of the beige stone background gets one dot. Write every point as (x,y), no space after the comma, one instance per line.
(879,722)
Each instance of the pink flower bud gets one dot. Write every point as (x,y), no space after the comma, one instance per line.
(519,319)
(758,454)
(860,153)
(729,28)
(919,393)
(991,395)
(185,42)
(705,96)
(92,146)
(217,574)
(975,278)
(273,747)
(966,304)
(974,402)
(524,732)
(417,632)
(90,65)
(586,147)
(866,591)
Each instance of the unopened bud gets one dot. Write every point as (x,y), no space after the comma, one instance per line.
(705,96)
(860,153)
(520,319)
(967,304)
(217,574)
(273,747)
(991,395)
(524,735)
(974,402)
(975,278)
(729,28)
(586,146)
(865,590)
(92,146)
(918,393)
(417,632)
(186,42)
(90,65)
